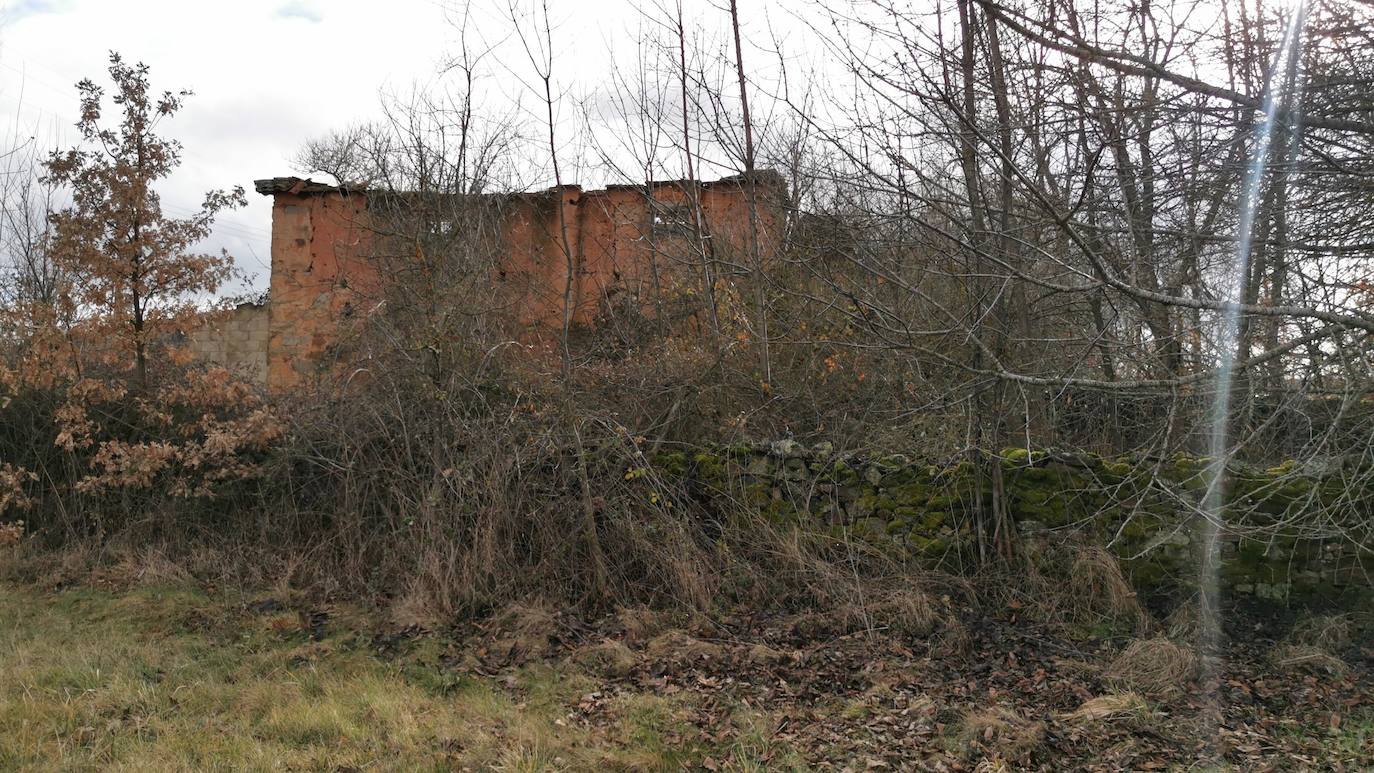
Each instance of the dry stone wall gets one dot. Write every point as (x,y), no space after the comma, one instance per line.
(1144,510)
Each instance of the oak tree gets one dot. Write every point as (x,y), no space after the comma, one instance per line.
(137,276)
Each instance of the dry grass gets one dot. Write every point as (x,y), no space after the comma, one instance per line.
(1000,732)
(1155,666)
(1313,644)
(415,608)
(1307,658)
(908,610)
(764,655)
(1078,587)
(640,623)
(140,567)
(164,679)
(1098,588)
(608,658)
(1109,707)
(1330,632)
(1184,622)
(521,632)
(681,647)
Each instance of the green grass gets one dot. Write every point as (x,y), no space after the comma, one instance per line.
(1355,739)
(171,679)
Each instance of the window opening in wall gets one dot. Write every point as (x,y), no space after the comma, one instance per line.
(671,219)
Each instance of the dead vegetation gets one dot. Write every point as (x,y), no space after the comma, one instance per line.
(682,648)
(1155,666)
(743,686)
(1100,590)
(1330,632)
(521,632)
(1184,622)
(11,534)
(1315,644)
(1079,588)
(999,734)
(608,658)
(640,623)
(1307,658)
(1109,708)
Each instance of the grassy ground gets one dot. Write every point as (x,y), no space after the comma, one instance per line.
(173,678)
(170,679)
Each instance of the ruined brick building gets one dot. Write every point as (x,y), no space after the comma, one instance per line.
(326,270)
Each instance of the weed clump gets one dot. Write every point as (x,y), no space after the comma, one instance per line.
(907,610)
(1313,644)
(609,658)
(1155,666)
(1099,588)
(521,632)
(681,647)
(640,623)
(1106,708)
(1000,734)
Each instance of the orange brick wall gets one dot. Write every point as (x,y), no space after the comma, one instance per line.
(322,276)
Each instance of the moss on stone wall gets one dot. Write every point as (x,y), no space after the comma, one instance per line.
(1141,508)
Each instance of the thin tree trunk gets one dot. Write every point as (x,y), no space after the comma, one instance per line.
(751,199)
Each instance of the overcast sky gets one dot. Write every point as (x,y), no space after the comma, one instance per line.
(270,74)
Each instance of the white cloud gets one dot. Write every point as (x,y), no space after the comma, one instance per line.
(14,11)
(299,9)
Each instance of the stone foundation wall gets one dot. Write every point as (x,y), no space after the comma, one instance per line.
(1141,509)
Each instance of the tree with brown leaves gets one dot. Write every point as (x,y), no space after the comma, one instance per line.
(136,275)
